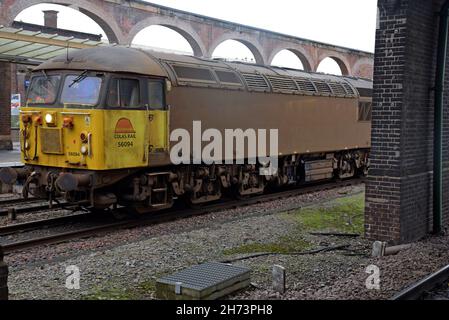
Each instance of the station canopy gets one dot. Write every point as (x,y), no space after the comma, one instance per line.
(34,47)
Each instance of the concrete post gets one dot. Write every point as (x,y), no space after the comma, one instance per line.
(3,277)
(279,279)
(378,249)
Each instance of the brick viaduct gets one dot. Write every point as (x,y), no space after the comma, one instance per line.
(122,20)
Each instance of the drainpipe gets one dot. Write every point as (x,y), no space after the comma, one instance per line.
(438,118)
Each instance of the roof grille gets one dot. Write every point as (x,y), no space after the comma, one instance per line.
(305,85)
(349,89)
(256,82)
(338,89)
(323,87)
(282,84)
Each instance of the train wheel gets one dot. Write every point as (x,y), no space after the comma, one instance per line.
(348,170)
(253,184)
(205,191)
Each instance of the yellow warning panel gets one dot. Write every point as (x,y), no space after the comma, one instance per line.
(91,139)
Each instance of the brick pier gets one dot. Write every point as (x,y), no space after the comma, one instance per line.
(399,188)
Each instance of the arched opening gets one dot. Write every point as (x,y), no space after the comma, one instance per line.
(69,18)
(333,66)
(290,59)
(236,50)
(164,39)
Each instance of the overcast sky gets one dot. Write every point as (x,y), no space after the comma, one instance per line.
(348,23)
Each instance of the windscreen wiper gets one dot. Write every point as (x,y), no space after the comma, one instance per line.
(45,75)
(80,78)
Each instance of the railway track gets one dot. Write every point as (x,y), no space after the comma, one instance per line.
(161,217)
(35,225)
(11,202)
(425,288)
(21,206)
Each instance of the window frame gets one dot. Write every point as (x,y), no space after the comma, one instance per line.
(112,77)
(147,94)
(229,85)
(101,94)
(56,101)
(362,106)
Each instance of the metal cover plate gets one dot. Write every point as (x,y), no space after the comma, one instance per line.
(206,280)
(51,141)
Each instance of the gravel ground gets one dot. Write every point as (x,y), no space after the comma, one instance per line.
(125,264)
(67,250)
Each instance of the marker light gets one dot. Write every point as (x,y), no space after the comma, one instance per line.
(48,118)
(68,123)
(84,150)
(26,118)
(38,120)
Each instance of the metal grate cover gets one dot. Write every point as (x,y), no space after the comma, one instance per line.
(305,85)
(323,87)
(206,281)
(337,89)
(256,82)
(349,89)
(205,275)
(51,141)
(283,84)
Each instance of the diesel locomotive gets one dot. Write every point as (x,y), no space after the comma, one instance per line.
(96,127)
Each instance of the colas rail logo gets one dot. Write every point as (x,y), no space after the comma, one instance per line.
(124,129)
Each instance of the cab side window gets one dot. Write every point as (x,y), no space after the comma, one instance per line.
(124,93)
(365,111)
(156,99)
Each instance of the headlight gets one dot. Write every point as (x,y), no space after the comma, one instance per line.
(49,118)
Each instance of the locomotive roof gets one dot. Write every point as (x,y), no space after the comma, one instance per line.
(254,77)
(107,59)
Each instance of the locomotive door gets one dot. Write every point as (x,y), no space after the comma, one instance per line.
(158,119)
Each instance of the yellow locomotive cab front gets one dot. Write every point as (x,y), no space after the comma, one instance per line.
(86,131)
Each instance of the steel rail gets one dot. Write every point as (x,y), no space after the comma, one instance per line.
(167,216)
(33,225)
(429,283)
(18,201)
(25,209)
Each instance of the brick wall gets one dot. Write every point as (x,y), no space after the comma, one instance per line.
(5,106)
(399,188)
